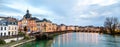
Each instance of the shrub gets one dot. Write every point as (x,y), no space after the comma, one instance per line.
(21,33)
(2,41)
(26,37)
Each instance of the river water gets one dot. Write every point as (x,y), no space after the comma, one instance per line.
(78,39)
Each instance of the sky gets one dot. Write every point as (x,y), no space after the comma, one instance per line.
(68,12)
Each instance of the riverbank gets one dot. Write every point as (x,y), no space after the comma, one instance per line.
(22,43)
(15,43)
(49,35)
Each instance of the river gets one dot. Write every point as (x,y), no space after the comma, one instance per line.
(78,39)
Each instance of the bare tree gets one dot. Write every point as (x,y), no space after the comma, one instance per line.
(110,24)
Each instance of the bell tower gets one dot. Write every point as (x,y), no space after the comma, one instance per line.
(27,15)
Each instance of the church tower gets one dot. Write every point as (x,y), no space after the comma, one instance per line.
(27,15)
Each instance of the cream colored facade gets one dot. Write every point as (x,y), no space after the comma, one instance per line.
(46,26)
(62,28)
(70,28)
(55,27)
(12,29)
(28,22)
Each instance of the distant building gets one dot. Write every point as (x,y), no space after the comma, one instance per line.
(55,27)
(62,27)
(45,25)
(8,26)
(71,27)
(76,27)
(28,22)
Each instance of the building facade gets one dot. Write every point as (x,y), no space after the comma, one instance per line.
(8,26)
(62,27)
(28,22)
(46,26)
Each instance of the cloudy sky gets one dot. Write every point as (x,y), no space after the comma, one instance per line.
(69,12)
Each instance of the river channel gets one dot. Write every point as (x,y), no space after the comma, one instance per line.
(78,39)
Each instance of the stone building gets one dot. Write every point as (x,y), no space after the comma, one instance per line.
(55,26)
(8,26)
(28,22)
(44,25)
(71,27)
(62,27)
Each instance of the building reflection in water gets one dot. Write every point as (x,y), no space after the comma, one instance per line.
(87,37)
(67,39)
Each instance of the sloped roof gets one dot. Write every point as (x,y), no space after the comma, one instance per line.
(8,21)
(34,18)
(44,20)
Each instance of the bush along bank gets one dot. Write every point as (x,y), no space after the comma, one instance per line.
(2,41)
(43,37)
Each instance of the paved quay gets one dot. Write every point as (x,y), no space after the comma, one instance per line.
(22,43)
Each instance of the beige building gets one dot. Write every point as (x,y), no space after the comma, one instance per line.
(46,25)
(62,27)
(70,28)
(77,27)
(28,22)
(55,26)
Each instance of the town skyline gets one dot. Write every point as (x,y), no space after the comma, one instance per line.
(63,14)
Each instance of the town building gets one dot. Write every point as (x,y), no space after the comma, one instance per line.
(55,26)
(8,26)
(77,28)
(45,25)
(62,27)
(28,23)
(70,28)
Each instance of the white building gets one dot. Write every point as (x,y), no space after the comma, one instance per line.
(8,26)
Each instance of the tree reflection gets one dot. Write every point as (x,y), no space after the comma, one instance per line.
(111,41)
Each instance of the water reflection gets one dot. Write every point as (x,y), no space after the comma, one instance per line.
(86,40)
(44,43)
(78,40)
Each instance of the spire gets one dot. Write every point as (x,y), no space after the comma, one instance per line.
(27,11)
(27,15)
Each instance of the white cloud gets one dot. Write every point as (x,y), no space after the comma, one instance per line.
(22,5)
(73,11)
(11,14)
(83,5)
(99,2)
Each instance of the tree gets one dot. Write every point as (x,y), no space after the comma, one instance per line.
(110,24)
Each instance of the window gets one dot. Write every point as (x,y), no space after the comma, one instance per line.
(12,28)
(15,28)
(8,33)
(4,34)
(15,33)
(1,28)
(9,28)
(1,34)
(4,28)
